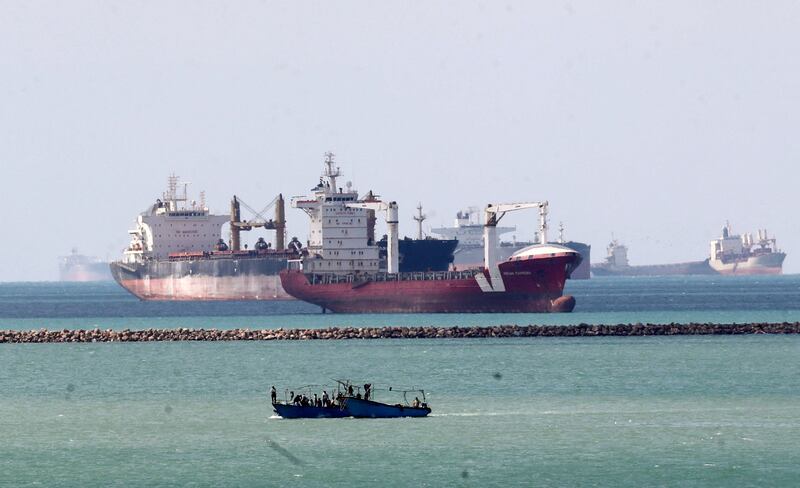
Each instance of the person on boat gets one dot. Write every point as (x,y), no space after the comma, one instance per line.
(325,399)
(316,400)
(273,394)
(367,388)
(291,396)
(350,390)
(415,403)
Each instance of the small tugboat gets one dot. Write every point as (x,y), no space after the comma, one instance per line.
(366,407)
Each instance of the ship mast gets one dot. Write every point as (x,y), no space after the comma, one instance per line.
(331,172)
(171,197)
(420,217)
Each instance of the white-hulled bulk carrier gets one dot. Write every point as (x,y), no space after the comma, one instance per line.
(177,253)
(742,255)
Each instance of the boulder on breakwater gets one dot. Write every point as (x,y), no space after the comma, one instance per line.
(336,333)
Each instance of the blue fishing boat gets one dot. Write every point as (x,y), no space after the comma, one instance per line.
(348,400)
(289,411)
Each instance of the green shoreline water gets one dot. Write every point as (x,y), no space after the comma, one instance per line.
(641,411)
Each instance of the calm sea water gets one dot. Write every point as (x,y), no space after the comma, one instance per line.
(599,301)
(639,411)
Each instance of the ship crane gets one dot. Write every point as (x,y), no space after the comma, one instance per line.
(495,212)
(392,246)
(278,224)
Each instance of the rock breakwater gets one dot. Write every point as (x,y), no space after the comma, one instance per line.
(339,333)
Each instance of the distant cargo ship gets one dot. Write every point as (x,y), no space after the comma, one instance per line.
(616,264)
(342,272)
(730,255)
(469,254)
(77,267)
(741,255)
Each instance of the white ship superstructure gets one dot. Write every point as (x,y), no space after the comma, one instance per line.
(174,225)
(338,236)
(617,254)
(468,230)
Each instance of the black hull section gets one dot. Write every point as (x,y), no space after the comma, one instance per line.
(424,254)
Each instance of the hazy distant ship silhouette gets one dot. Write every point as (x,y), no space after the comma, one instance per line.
(78,267)
(730,255)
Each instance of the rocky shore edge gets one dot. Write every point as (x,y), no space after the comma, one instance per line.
(338,333)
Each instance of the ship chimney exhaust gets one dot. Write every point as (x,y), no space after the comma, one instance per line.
(235,220)
(280,224)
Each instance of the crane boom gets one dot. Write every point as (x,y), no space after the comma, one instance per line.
(495,212)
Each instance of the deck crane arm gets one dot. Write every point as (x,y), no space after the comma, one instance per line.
(495,212)
(392,247)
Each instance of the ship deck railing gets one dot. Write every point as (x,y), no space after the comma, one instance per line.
(333,278)
(244,254)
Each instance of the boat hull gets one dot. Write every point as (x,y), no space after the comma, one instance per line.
(472,257)
(203,279)
(301,412)
(764,264)
(361,408)
(531,285)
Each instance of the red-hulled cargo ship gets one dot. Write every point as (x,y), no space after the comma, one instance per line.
(342,272)
(530,281)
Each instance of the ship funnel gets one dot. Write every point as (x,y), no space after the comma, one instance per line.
(393,245)
(280,224)
(235,219)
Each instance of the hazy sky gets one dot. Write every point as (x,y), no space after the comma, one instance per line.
(654,121)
